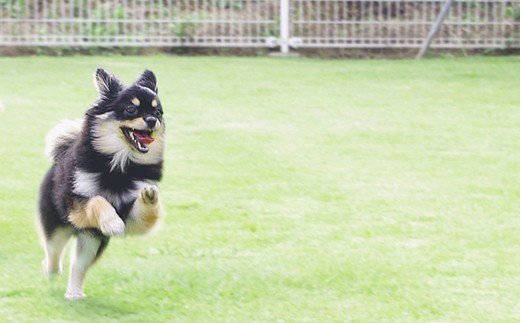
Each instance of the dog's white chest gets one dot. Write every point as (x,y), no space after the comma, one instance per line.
(88,185)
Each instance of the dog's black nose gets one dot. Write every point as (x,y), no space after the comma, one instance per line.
(150,121)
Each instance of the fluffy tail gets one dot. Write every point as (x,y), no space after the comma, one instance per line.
(61,137)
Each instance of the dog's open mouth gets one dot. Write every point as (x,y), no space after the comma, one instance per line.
(140,139)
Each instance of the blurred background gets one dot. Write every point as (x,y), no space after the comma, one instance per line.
(268,25)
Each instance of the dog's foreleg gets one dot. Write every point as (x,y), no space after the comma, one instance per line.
(145,212)
(97,213)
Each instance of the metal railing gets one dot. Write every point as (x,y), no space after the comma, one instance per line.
(259,23)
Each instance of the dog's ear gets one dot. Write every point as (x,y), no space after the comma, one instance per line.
(148,80)
(106,84)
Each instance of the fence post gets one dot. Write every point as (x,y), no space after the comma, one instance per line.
(284,26)
(435,29)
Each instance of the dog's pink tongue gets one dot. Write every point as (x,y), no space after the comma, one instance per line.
(143,137)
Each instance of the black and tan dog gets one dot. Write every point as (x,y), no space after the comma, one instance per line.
(102,182)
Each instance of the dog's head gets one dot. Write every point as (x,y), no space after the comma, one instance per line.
(127,122)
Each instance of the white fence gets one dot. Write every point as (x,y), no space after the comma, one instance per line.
(258,23)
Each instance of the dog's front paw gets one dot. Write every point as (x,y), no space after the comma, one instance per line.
(150,194)
(112,225)
(74,296)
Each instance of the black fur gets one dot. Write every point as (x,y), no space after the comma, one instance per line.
(56,192)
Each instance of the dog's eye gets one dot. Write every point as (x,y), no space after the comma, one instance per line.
(131,110)
(157,113)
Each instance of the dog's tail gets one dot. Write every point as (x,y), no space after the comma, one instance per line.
(61,137)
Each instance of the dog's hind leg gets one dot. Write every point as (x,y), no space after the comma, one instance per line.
(53,232)
(54,245)
(88,249)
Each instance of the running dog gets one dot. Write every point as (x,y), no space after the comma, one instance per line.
(102,182)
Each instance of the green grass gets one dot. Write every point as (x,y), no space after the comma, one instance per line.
(295,190)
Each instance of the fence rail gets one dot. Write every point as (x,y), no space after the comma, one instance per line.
(259,23)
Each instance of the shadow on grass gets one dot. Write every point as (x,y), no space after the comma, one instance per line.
(97,306)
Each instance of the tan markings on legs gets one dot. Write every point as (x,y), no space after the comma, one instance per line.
(145,212)
(97,213)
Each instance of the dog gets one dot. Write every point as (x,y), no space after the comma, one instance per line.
(102,182)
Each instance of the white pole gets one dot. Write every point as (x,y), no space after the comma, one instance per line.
(435,29)
(284,26)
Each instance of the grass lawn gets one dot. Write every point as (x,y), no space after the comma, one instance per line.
(295,190)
